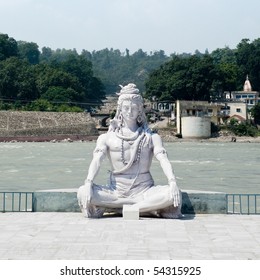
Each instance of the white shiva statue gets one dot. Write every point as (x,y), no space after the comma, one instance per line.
(130,146)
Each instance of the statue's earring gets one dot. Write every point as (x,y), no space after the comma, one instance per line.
(139,119)
(120,118)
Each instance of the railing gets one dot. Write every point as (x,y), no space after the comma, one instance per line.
(243,204)
(16,201)
(236,203)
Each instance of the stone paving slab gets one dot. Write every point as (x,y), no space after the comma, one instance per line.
(70,236)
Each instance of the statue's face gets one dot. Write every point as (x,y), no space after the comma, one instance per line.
(130,110)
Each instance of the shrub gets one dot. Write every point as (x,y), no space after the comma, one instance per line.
(242,129)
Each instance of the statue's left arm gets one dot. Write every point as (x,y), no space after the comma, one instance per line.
(161,155)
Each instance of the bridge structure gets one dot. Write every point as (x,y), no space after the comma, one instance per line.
(101,120)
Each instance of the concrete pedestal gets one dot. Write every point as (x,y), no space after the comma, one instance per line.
(193,202)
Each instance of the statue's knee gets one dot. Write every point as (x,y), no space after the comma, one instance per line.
(80,192)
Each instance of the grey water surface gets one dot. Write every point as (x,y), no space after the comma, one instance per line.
(209,166)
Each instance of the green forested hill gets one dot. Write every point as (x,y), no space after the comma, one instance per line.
(64,80)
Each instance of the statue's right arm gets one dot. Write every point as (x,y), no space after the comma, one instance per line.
(98,155)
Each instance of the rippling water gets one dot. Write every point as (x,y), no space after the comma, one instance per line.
(227,167)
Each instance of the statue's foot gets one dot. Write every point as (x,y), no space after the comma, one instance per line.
(92,211)
(171,212)
(84,211)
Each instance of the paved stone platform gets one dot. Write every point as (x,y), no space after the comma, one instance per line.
(70,236)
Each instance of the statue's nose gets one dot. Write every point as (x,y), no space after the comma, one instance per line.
(130,111)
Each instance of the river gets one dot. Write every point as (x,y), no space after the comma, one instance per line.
(209,166)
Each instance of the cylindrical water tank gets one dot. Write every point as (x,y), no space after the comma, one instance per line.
(195,127)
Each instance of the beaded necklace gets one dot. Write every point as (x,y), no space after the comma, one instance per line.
(131,140)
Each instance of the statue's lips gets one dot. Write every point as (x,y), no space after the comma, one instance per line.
(130,116)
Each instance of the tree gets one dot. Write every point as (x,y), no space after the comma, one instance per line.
(46,54)
(182,78)
(140,54)
(17,80)
(80,68)
(224,55)
(51,81)
(59,94)
(40,105)
(225,79)
(29,51)
(248,61)
(8,47)
(255,112)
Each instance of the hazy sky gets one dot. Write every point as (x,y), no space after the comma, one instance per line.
(170,25)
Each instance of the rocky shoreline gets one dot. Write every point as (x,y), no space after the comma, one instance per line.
(87,138)
(53,138)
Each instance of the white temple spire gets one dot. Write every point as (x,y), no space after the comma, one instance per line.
(247,85)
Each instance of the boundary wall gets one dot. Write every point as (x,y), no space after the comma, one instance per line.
(43,124)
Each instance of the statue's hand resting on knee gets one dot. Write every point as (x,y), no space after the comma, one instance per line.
(88,193)
(174,190)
